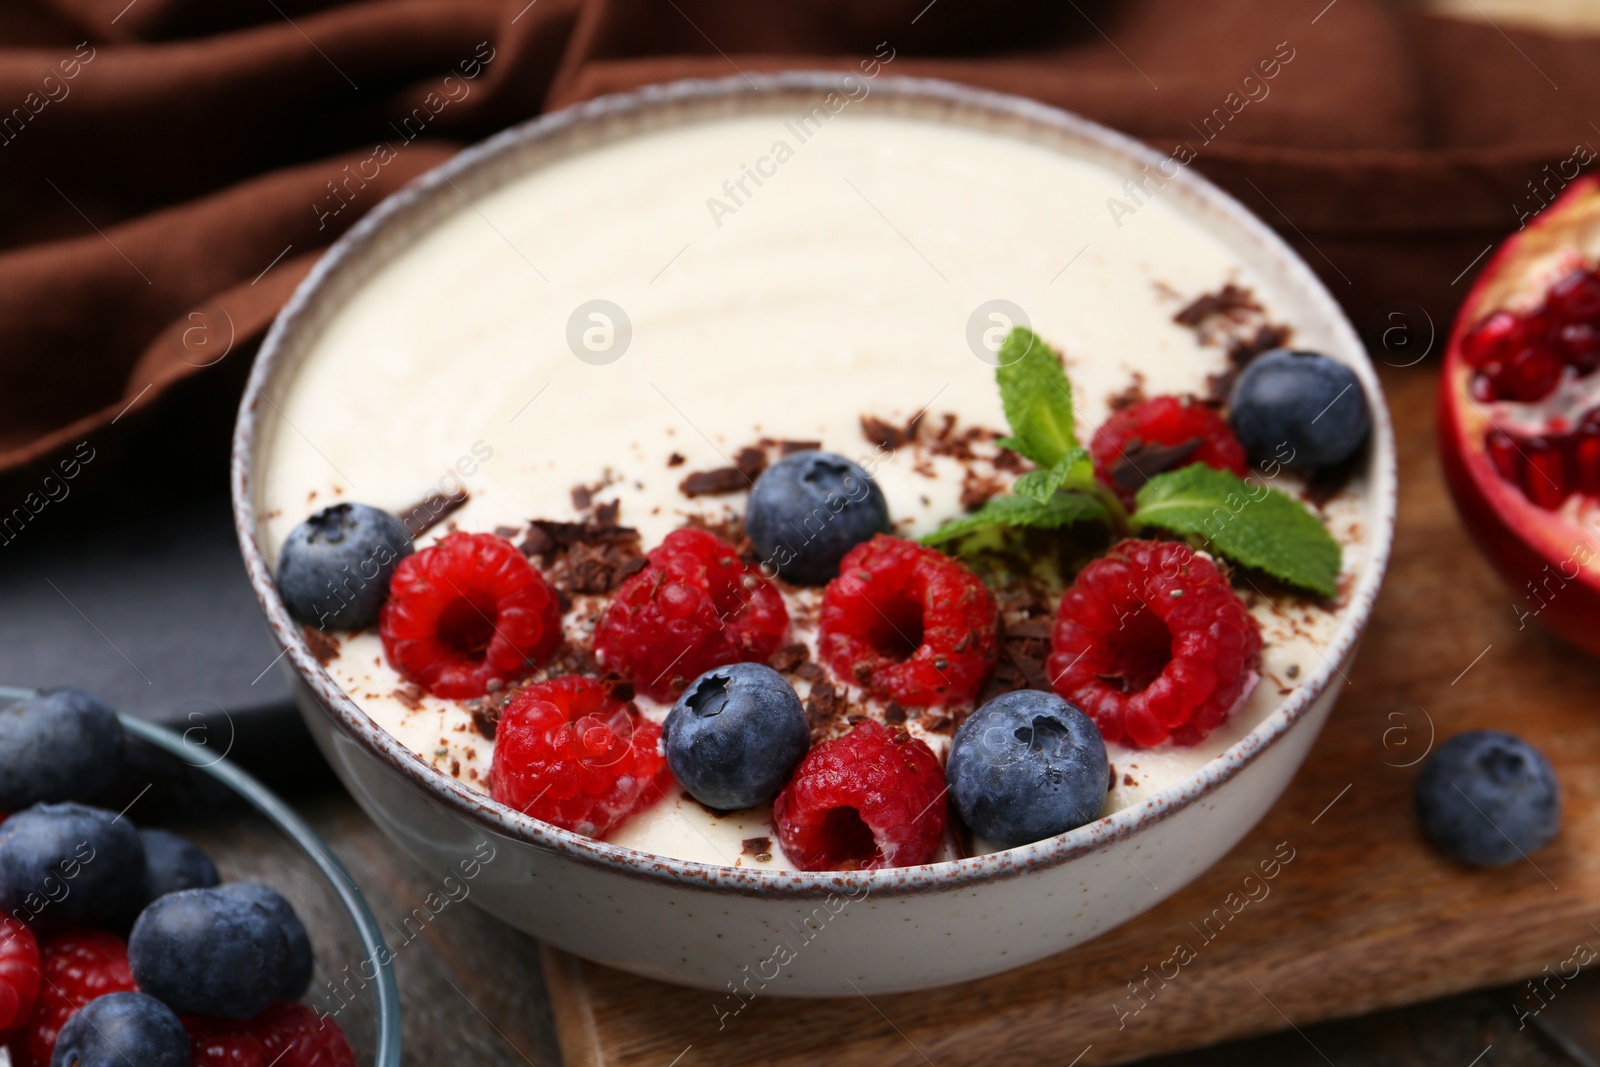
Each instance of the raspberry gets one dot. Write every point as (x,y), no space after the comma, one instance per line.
(1152,642)
(19,975)
(908,623)
(568,753)
(75,967)
(693,607)
(468,611)
(1159,434)
(285,1035)
(870,799)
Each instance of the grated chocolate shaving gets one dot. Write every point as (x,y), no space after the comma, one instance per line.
(714,482)
(1141,460)
(789,657)
(324,646)
(887,435)
(1230,300)
(430,511)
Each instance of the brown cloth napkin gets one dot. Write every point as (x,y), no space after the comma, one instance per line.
(170,169)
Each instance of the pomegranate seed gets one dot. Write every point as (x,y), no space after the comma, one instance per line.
(1576,297)
(1580,343)
(1490,338)
(1545,480)
(1586,463)
(1531,375)
(1504,455)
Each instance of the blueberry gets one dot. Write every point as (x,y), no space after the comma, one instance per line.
(1026,766)
(210,952)
(735,736)
(1488,798)
(68,864)
(1299,409)
(810,508)
(61,744)
(172,863)
(119,1029)
(334,568)
(300,958)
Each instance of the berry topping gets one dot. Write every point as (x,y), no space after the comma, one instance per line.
(210,952)
(56,746)
(1488,798)
(870,799)
(1151,642)
(285,1035)
(1026,766)
(568,753)
(19,975)
(1159,434)
(1299,409)
(75,967)
(298,971)
(334,568)
(909,623)
(466,612)
(66,864)
(735,736)
(810,508)
(120,1029)
(172,863)
(693,607)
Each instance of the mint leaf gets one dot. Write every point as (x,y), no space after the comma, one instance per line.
(1061,509)
(1037,399)
(1246,522)
(1074,471)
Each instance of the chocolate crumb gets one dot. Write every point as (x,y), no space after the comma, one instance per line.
(759,847)
(887,435)
(1141,460)
(786,447)
(789,657)
(1230,300)
(978,489)
(811,671)
(581,498)
(1129,780)
(1127,398)
(324,646)
(675,460)
(607,514)
(750,462)
(431,510)
(714,482)
(1293,671)
(455,768)
(894,714)
(409,696)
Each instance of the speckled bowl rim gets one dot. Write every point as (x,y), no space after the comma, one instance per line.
(699,98)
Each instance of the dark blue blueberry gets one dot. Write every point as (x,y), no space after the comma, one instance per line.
(1488,798)
(735,736)
(119,1029)
(210,952)
(1299,409)
(61,744)
(810,508)
(300,957)
(1026,766)
(334,568)
(172,863)
(68,864)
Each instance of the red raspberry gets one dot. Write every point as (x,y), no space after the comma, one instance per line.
(285,1035)
(1152,642)
(567,753)
(909,623)
(872,798)
(75,967)
(19,975)
(468,611)
(693,607)
(1159,434)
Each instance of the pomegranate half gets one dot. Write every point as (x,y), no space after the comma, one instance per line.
(1519,415)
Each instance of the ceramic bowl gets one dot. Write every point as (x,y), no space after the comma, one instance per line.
(807,934)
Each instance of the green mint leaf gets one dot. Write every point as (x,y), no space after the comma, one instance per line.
(1074,471)
(1037,399)
(1062,509)
(1245,522)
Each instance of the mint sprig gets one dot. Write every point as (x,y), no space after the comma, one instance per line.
(1037,399)
(1073,471)
(1060,510)
(1248,523)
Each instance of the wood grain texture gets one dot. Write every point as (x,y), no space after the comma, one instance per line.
(1364,917)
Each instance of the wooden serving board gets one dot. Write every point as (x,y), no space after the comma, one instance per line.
(1364,916)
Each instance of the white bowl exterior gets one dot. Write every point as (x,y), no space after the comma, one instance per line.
(881,944)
